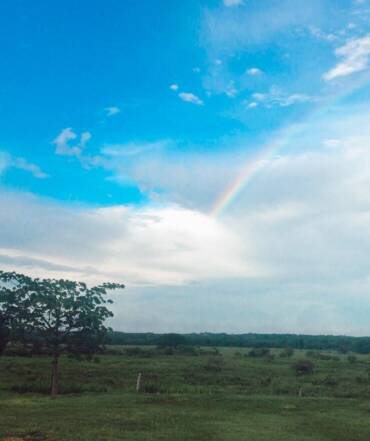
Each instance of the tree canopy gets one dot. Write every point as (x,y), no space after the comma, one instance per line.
(61,316)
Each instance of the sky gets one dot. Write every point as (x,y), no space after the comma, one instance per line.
(212,155)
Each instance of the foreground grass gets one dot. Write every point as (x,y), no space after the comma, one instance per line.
(208,397)
(179,418)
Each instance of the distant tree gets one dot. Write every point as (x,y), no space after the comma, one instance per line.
(171,340)
(62,316)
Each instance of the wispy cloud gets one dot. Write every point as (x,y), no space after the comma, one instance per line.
(63,142)
(191,98)
(34,169)
(7,162)
(355,54)
(276,97)
(111,111)
(174,87)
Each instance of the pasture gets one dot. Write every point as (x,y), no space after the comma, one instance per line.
(206,394)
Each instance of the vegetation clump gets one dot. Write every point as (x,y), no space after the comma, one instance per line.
(303,367)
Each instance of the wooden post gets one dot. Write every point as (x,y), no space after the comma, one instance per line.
(138,383)
(300,392)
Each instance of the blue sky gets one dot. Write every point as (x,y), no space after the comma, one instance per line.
(210,152)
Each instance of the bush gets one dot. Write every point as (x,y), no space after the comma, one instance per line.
(152,388)
(352,359)
(286,352)
(303,367)
(259,352)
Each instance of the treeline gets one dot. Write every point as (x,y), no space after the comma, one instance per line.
(296,341)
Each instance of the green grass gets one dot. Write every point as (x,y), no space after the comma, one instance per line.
(207,397)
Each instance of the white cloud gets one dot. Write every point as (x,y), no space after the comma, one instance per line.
(159,246)
(276,97)
(34,169)
(229,3)
(7,162)
(63,142)
(111,111)
(191,98)
(254,71)
(174,87)
(355,54)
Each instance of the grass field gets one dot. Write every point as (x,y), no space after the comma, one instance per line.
(213,397)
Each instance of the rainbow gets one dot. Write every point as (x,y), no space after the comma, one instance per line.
(281,139)
(252,166)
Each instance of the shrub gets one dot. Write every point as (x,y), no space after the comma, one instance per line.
(303,367)
(286,352)
(352,359)
(152,388)
(259,352)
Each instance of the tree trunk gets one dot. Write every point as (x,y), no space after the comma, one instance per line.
(55,376)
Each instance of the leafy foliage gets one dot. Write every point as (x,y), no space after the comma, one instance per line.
(62,316)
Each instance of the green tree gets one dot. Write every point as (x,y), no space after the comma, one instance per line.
(62,316)
(11,314)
